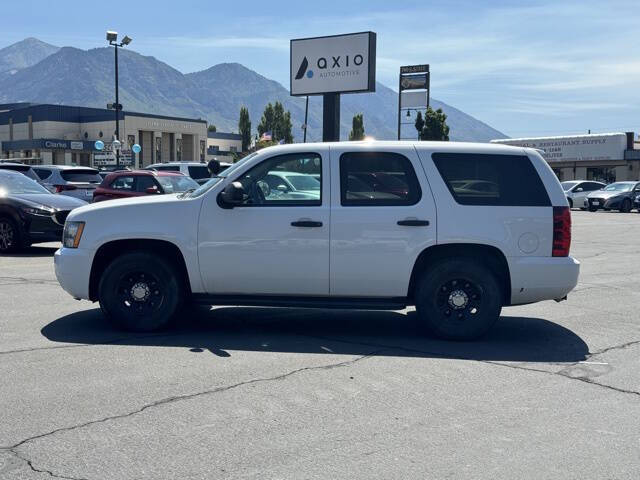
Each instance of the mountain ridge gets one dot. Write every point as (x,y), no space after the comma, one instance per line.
(85,77)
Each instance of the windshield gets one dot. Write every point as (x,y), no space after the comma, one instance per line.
(177,183)
(19,184)
(200,171)
(566,186)
(204,188)
(618,187)
(304,182)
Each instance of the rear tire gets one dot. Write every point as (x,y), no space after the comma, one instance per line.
(570,202)
(591,209)
(140,292)
(10,235)
(458,299)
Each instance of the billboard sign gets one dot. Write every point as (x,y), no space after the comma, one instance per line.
(413,82)
(577,148)
(423,68)
(334,64)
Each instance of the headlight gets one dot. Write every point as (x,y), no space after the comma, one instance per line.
(40,211)
(72,234)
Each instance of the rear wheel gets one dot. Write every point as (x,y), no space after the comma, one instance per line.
(592,209)
(458,299)
(140,292)
(570,202)
(626,206)
(10,235)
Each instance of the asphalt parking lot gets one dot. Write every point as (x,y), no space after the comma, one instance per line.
(552,392)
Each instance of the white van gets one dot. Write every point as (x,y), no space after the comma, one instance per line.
(458,230)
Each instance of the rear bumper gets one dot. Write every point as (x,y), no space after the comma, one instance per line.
(73,268)
(542,278)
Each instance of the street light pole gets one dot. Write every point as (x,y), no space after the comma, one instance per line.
(112,38)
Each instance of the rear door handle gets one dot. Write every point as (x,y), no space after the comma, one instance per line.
(306,223)
(413,223)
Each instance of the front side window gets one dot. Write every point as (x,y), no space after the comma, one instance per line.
(377,178)
(143,182)
(124,184)
(486,179)
(293,179)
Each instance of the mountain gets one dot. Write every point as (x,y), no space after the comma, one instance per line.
(85,77)
(24,54)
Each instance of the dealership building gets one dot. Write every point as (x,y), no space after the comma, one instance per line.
(605,157)
(66,135)
(223,146)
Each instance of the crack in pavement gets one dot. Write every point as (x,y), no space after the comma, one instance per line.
(22,280)
(42,470)
(173,399)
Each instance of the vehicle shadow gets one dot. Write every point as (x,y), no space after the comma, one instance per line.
(33,252)
(224,330)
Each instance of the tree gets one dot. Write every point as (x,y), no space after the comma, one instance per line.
(211,128)
(277,121)
(244,127)
(357,127)
(419,123)
(435,126)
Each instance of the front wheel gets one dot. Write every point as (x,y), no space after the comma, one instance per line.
(458,299)
(626,206)
(140,292)
(10,235)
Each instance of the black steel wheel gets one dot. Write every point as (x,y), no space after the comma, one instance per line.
(10,236)
(458,299)
(140,292)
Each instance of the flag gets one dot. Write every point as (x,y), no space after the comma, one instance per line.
(266,136)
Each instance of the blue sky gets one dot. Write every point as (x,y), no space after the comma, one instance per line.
(525,68)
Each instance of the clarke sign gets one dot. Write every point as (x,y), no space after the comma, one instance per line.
(335,64)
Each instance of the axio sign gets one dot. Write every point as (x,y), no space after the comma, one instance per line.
(335,64)
(610,146)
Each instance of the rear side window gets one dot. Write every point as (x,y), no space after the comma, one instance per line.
(377,179)
(498,180)
(43,173)
(199,172)
(168,169)
(90,176)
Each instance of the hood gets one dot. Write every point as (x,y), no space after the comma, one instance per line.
(132,202)
(59,202)
(604,194)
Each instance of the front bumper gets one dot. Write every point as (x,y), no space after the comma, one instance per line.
(542,278)
(606,203)
(73,269)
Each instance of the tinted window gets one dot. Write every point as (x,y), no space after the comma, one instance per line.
(377,178)
(42,173)
(592,186)
(126,184)
(500,180)
(143,182)
(199,172)
(90,176)
(168,169)
(268,182)
(177,183)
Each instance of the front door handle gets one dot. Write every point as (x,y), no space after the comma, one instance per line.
(306,223)
(413,223)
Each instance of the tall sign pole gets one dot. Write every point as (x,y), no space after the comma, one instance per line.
(414,90)
(330,66)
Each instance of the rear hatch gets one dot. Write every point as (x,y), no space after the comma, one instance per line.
(79,182)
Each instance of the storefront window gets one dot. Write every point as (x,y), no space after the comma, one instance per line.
(179,149)
(202,150)
(558,173)
(158,149)
(602,174)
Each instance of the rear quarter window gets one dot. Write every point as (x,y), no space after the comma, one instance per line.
(496,180)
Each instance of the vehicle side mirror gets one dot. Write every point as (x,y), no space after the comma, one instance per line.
(281,188)
(152,190)
(579,189)
(232,195)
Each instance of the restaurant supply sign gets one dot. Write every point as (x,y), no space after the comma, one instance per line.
(334,64)
(576,148)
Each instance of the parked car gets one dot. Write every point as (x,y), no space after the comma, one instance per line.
(138,183)
(290,186)
(577,191)
(78,182)
(20,167)
(459,257)
(29,213)
(615,196)
(198,171)
(636,202)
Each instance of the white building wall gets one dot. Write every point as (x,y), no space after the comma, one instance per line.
(224,144)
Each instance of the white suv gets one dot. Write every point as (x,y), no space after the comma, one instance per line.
(393,224)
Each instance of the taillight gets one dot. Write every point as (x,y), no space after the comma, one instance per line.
(61,188)
(561,231)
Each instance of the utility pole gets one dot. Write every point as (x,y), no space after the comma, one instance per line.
(112,38)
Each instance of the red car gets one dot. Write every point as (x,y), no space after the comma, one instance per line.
(137,183)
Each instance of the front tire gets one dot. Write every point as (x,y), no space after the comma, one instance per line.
(458,299)
(140,292)
(626,206)
(10,235)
